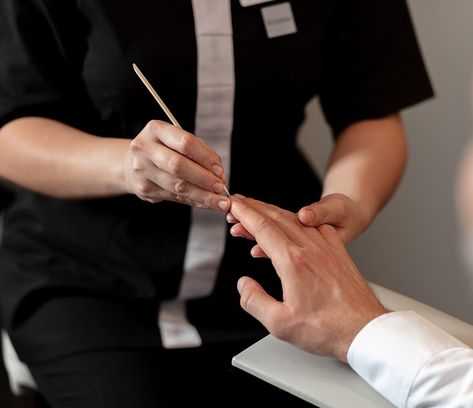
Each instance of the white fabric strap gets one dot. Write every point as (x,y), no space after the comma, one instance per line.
(176,331)
(214,124)
(19,376)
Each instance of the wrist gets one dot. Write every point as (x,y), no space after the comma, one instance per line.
(119,162)
(358,323)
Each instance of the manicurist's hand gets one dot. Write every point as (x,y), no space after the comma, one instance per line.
(348,218)
(167,163)
(326,300)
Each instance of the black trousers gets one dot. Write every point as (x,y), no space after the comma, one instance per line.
(151,378)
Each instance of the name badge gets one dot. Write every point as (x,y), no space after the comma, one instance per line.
(279,20)
(246,3)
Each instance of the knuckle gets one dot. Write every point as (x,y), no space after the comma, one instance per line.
(180,186)
(183,200)
(144,189)
(153,126)
(278,215)
(208,201)
(176,165)
(137,144)
(297,254)
(263,224)
(185,143)
(298,258)
(282,218)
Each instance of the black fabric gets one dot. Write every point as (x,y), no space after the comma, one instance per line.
(373,66)
(71,61)
(6,196)
(154,378)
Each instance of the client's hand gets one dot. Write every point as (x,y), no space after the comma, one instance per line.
(347,217)
(326,300)
(168,163)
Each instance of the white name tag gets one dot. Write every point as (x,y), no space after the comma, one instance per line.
(279,20)
(246,3)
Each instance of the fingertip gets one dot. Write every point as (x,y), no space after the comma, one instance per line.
(257,252)
(217,170)
(241,284)
(233,232)
(224,205)
(306,217)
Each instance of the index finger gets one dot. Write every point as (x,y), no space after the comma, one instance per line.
(192,147)
(272,240)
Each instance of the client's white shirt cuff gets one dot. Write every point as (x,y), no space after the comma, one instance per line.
(391,350)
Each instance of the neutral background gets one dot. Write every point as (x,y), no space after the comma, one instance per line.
(413,247)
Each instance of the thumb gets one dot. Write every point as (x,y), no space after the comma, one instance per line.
(256,301)
(319,213)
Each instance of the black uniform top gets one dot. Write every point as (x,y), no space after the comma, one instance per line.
(6,196)
(71,61)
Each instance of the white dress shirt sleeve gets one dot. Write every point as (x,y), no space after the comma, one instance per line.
(413,363)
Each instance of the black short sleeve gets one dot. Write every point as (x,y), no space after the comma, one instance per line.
(41,43)
(372,66)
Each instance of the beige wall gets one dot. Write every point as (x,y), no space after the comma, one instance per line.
(413,247)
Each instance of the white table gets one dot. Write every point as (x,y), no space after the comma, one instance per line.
(326,382)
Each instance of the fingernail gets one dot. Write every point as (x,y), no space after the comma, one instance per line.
(308,216)
(240,284)
(234,234)
(229,218)
(223,204)
(218,170)
(218,187)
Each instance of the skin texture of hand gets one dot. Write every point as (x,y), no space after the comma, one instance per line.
(326,300)
(168,163)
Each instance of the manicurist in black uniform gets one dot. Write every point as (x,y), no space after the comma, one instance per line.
(113,290)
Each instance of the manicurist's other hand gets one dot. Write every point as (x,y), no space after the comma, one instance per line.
(326,300)
(167,163)
(349,218)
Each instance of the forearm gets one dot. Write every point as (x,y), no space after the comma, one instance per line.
(54,159)
(367,163)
